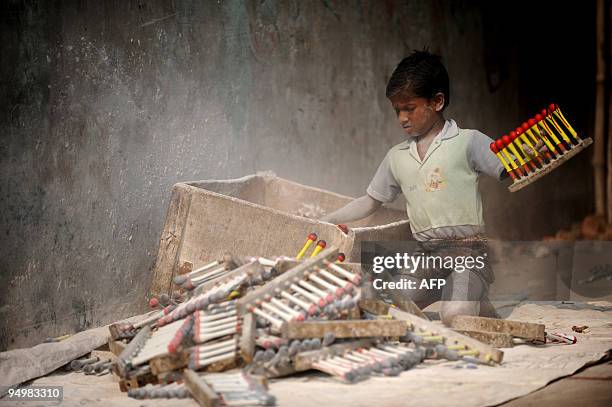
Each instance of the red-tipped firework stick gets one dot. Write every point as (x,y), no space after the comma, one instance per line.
(554,110)
(183,331)
(341,257)
(320,246)
(345,285)
(310,307)
(153,302)
(550,120)
(534,130)
(323,294)
(501,158)
(154,318)
(352,277)
(522,138)
(527,130)
(499,144)
(329,286)
(343,228)
(311,238)
(519,147)
(509,146)
(541,123)
(549,126)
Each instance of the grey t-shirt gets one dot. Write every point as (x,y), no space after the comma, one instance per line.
(385,188)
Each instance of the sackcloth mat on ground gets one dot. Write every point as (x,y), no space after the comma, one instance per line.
(525,369)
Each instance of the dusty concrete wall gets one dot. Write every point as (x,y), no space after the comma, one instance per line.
(105,105)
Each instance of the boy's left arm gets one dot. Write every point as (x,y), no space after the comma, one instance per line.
(481,159)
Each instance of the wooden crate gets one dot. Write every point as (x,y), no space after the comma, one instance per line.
(257,215)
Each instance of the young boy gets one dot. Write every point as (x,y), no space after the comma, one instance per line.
(437,169)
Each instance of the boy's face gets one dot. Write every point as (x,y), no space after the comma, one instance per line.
(416,115)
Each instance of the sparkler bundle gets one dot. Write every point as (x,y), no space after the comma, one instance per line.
(519,153)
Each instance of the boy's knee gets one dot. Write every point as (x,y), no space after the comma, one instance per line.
(450,309)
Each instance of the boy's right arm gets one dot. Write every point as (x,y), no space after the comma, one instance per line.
(383,188)
(356,209)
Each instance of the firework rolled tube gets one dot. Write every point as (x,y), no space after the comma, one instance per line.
(276,311)
(525,129)
(307,294)
(182,332)
(542,123)
(346,285)
(523,138)
(337,290)
(500,157)
(309,307)
(533,131)
(519,146)
(328,297)
(525,126)
(557,112)
(551,120)
(311,238)
(508,145)
(499,145)
(297,315)
(320,246)
(276,323)
(352,277)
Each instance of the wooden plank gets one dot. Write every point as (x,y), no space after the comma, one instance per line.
(170,377)
(186,267)
(304,360)
(259,380)
(378,307)
(411,307)
(495,339)
(200,390)
(343,329)
(534,176)
(525,330)
(247,337)
(104,355)
(375,307)
(283,281)
(115,330)
(352,313)
(171,240)
(168,363)
(286,264)
(135,382)
(116,346)
(273,372)
(126,384)
(222,365)
(125,357)
(486,352)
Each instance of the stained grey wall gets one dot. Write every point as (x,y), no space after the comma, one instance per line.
(107,104)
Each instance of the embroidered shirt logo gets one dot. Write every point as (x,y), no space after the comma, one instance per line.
(435,180)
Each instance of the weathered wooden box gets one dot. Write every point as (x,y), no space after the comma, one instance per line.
(258,215)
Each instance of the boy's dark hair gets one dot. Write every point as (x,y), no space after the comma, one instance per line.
(423,73)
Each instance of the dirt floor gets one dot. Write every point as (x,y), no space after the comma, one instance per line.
(522,378)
